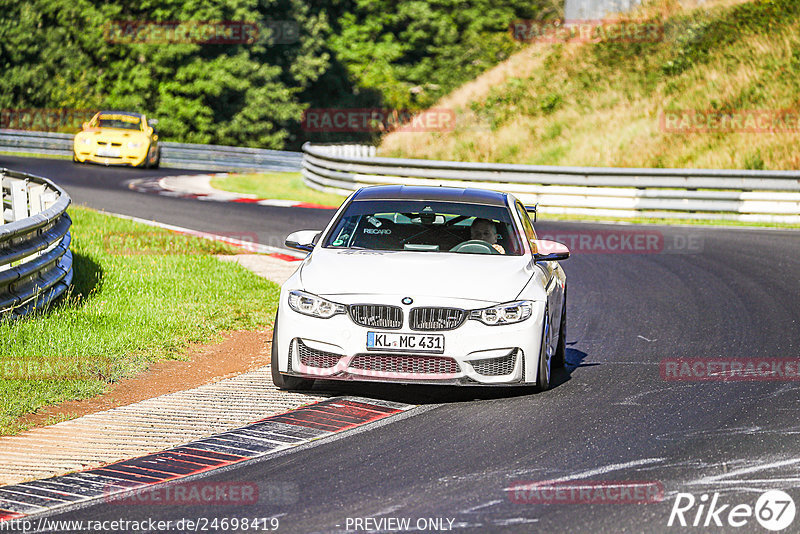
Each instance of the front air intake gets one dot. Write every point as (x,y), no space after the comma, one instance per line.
(501,366)
(409,364)
(377,315)
(430,319)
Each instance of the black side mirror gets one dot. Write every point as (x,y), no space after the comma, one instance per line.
(304,240)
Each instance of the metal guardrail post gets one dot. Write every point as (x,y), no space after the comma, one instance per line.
(19,199)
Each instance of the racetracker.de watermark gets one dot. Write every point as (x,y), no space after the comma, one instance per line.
(626,242)
(54,369)
(206,32)
(730,369)
(44,119)
(153,242)
(378,120)
(587,31)
(188,494)
(736,121)
(586,492)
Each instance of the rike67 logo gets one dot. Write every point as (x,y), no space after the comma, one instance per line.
(774,510)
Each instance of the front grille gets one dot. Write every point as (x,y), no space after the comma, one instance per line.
(377,315)
(437,318)
(405,363)
(495,366)
(316,358)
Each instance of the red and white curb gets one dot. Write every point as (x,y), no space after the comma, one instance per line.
(262,438)
(198,186)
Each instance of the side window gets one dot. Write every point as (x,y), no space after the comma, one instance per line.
(530,233)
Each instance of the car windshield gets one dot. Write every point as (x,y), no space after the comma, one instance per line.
(424,226)
(124,122)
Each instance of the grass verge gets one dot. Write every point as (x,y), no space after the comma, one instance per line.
(607,103)
(140,294)
(277,185)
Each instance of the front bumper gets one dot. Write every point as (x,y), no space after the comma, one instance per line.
(127,157)
(474,353)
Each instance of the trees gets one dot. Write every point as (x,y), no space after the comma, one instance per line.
(343,53)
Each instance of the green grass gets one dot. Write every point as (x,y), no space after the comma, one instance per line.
(277,185)
(140,294)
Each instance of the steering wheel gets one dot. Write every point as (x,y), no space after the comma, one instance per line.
(475,246)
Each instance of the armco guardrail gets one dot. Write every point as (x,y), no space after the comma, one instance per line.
(35,260)
(750,196)
(180,155)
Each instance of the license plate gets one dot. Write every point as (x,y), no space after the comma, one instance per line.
(108,152)
(433,343)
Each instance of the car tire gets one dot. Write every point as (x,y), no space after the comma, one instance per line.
(560,357)
(157,162)
(545,365)
(281,380)
(75,159)
(145,164)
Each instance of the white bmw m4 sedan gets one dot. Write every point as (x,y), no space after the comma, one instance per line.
(424,285)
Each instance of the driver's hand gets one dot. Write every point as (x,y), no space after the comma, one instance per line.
(499,248)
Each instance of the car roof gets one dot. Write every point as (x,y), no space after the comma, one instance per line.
(467,195)
(114,112)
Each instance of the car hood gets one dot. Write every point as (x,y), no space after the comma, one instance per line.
(489,278)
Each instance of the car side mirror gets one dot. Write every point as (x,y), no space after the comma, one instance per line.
(85,126)
(544,250)
(303,240)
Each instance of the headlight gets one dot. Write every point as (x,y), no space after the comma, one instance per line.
(134,144)
(86,141)
(511,312)
(309,304)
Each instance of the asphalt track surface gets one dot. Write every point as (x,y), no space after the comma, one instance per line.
(610,417)
(106,188)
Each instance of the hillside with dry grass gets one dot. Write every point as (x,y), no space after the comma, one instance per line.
(720,88)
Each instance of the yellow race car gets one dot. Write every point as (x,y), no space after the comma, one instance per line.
(118,138)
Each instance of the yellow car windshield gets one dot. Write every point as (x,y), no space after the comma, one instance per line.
(125,122)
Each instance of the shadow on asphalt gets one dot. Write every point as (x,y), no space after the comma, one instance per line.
(438,394)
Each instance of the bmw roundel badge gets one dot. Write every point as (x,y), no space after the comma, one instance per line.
(407,300)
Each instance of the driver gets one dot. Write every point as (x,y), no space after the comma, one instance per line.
(485,230)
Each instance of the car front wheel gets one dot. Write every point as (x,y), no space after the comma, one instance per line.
(157,161)
(545,356)
(560,357)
